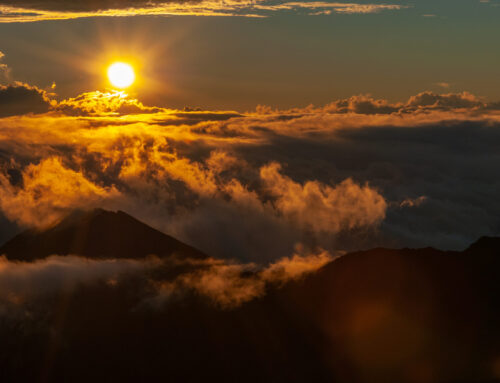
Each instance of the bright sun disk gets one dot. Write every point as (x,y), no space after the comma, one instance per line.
(121,75)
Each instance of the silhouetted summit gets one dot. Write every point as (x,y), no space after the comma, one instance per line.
(96,234)
(485,245)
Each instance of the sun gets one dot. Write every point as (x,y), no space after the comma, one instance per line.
(121,75)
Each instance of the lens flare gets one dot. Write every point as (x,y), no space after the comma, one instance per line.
(121,75)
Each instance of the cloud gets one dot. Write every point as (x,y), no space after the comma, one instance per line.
(139,169)
(409,202)
(21,98)
(229,284)
(295,267)
(33,10)
(355,173)
(22,281)
(429,100)
(48,192)
(226,284)
(362,104)
(327,7)
(80,6)
(443,84)
(4,69)
(322,208)
(154,5)
(423,102)
(100,103)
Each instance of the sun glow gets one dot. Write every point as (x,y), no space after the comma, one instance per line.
(121,75)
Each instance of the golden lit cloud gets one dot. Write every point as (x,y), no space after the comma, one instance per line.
(195,173)
(322,207)
(30,11)
(229,284)
(103,103)
(49,192)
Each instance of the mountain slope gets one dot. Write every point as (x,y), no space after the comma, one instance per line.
(376,316)
(96,234)
(406,315)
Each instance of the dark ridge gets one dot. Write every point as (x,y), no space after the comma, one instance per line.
(485,246)
(96,234)
(375,316)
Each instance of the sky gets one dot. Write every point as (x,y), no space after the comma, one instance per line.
(255,130)
(284,58)
(276,137)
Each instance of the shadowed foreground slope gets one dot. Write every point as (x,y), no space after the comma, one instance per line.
(375,316)
(96,234)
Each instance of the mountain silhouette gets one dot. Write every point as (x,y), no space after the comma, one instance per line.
(485,246)
(374,316)
(96,234)
(406,315)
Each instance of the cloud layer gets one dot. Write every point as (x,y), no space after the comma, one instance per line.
(225,284)
(355,173)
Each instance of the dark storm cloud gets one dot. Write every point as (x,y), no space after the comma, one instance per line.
(21,99)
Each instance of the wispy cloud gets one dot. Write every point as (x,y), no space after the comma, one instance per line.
(346,8)
(30,11)
(443,84)
(229,284)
